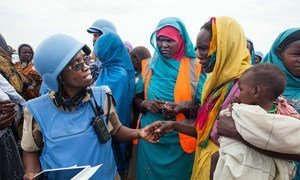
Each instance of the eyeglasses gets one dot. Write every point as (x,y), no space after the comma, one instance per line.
(79,66)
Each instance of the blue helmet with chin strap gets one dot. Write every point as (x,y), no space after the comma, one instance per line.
(103,26)
(53,54)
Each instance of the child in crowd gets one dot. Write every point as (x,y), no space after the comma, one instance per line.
(258,114)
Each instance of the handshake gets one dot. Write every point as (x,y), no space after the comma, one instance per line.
(154,131)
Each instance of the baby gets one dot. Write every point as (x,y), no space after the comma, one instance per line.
(259,121)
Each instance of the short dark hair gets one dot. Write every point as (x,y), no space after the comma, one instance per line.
(270,76)
(207,26)
(139,53)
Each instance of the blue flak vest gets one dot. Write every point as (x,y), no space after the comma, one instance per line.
(70,139)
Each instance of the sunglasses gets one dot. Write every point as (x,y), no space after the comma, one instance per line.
(79,66)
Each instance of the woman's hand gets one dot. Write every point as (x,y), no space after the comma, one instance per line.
(189,109)
(7,113)
(156,130)
(31,164)
(153,106)
(235,99)
(170,111)
(28,176)
(165,127)
(226,127)
(148,133)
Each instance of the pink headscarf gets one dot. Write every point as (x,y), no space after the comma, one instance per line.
(174,34)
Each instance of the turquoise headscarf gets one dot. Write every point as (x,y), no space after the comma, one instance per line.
(292,90)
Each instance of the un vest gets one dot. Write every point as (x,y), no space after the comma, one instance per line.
(70,139)
(185,90)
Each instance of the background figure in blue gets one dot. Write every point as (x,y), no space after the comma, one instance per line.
(258,57)
(99,27)
(118,74)
(250,47)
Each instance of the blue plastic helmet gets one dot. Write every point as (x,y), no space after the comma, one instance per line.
(53,54)
(103,26)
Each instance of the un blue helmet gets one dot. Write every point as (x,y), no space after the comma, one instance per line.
(53,54)
(103,26)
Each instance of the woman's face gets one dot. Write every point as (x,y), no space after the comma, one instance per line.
(26,54)
(167,46)
(77,73)
(291,58)
(203,41)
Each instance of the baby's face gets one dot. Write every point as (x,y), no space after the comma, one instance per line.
(247,91)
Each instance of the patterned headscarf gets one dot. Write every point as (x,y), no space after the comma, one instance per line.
(232,56)
(232,59)
(7,68)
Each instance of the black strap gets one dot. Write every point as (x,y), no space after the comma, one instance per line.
(98,109)
(93,107)
(109,99)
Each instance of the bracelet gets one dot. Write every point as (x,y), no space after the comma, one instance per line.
(138,134)
(175,126)
(142,104)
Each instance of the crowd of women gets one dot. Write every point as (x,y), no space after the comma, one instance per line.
(158,117)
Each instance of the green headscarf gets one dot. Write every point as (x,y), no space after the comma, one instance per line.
(292,90)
